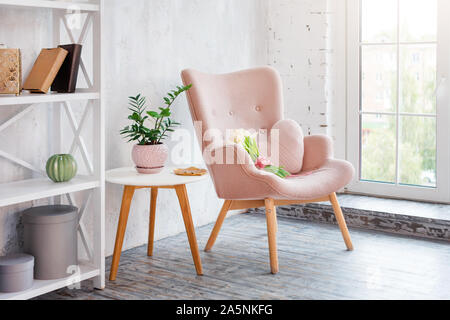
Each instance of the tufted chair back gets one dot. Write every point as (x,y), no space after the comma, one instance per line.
(249,99)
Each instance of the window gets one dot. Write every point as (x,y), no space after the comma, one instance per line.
(398,112)
(379,76)
(416,58)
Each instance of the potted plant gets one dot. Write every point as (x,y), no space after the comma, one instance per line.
(150,154)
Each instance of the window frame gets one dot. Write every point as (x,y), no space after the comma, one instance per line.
(353,133)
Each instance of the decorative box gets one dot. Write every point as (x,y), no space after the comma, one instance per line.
(50,235)
(10,71)
(16,273)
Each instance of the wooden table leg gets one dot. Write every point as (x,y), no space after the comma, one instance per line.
(151,229)
(128,193)
(188,223)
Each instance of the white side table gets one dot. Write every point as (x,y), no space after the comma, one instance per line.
(131,180)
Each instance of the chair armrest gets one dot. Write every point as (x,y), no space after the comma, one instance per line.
(318,149)
(236,177)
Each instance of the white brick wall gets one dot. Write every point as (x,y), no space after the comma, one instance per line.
(301,45)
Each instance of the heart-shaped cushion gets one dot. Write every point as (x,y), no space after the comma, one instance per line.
(290,145)
(284,146)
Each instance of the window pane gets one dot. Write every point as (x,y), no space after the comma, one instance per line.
(418,78)
(379,78)
(378,148)
(418,151)
(379,21)
(418,20)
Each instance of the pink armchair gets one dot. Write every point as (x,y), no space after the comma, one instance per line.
(252,99)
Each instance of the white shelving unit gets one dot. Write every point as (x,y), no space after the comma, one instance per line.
(64,5)
(94,182)
(35,189)
(40,287)
(27,98)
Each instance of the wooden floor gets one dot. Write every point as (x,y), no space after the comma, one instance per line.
(313,265)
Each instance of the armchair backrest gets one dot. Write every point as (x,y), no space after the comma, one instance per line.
(249,99)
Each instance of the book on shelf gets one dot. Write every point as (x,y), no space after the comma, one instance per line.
(45,70)
(66,79)
(10,71)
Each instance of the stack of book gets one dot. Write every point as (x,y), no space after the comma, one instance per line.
(55,68)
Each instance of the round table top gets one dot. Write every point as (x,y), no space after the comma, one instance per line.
(130,177)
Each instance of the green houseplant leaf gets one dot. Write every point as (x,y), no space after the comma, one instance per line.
(138,131)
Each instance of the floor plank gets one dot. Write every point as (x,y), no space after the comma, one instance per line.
(313,265)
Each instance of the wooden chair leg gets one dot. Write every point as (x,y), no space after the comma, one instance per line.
(151,228)
(271,217)
(189,224)
(128,193)
(341,221)
(215,232)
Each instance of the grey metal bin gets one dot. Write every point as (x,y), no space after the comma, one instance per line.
(50,235)
(16,273)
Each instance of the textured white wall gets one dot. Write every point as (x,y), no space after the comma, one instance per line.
(148,43)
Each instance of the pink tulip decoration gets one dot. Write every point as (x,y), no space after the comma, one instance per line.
(262,162)
(248,141)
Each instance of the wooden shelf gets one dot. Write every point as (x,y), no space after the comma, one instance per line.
(33,98)
(34,189)
(44,286)
(83,6)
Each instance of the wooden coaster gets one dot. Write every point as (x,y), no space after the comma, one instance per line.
(192,171)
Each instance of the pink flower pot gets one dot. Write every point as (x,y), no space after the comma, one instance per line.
(150,159)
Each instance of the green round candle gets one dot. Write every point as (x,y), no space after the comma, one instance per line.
(61,167)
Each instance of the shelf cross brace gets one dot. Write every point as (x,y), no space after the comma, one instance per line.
(11,157)
(17,117)
(81,227)
(81,40)
(76,129)
(20,162)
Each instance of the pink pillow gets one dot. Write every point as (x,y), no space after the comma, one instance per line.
(291,146)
